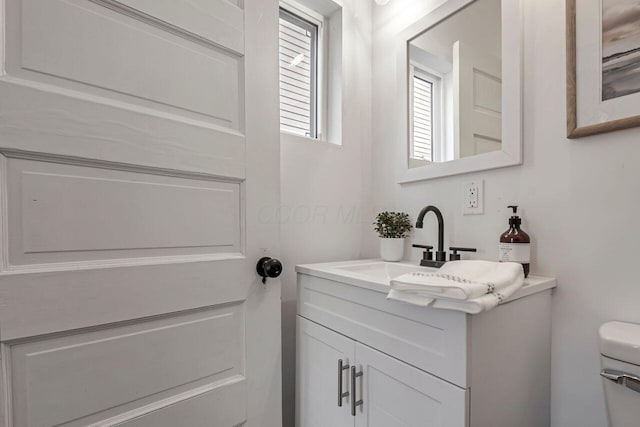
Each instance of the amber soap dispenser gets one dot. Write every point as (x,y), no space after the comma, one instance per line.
(515,244)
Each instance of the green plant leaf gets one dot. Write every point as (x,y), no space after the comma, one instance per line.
(393,225)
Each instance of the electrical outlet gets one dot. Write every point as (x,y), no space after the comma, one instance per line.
(473,198)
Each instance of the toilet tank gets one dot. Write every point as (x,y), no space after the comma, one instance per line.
(620,359)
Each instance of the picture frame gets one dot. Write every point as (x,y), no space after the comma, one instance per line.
(600,108)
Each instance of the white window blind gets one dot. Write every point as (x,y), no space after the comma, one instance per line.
(422,143)
(298,75)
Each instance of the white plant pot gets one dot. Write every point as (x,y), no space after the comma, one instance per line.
(391,249)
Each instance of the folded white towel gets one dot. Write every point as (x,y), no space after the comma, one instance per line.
(472,306)
(462,280)
(468,286)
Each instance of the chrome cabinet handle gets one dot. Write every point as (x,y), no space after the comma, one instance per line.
(629,381)
(341,367)
(354,403)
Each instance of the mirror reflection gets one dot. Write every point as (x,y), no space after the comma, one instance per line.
(455,86)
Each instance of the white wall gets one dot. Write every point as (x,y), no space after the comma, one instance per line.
(478,25)
(579,199)
(325,188)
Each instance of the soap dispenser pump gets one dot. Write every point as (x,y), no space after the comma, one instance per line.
(515,244)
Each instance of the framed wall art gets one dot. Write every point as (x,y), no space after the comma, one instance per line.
(603,66)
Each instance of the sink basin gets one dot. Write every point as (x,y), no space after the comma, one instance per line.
(382,271)
(376,275)
(371,273)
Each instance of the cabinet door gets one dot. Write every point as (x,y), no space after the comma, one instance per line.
(317,378)
(396,394)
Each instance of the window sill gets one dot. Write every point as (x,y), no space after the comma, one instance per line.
(292,137)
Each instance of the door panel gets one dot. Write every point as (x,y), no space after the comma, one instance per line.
(99,52)
(63,213)
(477,101)
(119,365)
(134,176)
(397,394)
(219,407)
(215,21)
(319,350)
(44,120)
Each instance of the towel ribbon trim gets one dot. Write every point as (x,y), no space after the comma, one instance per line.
(491,287)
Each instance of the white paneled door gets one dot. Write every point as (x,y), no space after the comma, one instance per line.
(477,101)
(139,168)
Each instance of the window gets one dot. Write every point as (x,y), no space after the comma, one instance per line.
(425,115)
(298,75)
(422,146)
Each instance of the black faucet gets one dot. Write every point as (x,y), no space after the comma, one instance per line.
(441,256)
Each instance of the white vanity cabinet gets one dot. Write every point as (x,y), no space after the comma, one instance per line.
(397,394)
(317,381)
(418,366)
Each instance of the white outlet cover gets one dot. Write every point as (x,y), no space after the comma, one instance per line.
(473,197)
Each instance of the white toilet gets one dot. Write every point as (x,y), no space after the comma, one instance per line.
(620,359)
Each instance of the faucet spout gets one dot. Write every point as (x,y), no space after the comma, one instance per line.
(419,224)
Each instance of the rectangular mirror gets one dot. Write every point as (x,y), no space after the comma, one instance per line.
(461,89)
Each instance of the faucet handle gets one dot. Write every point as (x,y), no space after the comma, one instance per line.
(455,256)
(427,254)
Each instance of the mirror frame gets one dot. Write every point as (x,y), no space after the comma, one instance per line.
(512,110)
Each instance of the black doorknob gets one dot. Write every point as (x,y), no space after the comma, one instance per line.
(268,267)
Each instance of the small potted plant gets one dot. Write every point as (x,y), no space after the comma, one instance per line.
(392,228)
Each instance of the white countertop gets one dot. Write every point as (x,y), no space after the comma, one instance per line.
(375,274)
